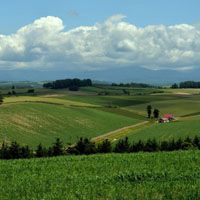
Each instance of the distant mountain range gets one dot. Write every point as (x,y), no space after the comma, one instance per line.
(114,75)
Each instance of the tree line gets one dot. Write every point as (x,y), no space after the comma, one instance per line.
(186,84)
(84,146)
(137,85)
(71,84)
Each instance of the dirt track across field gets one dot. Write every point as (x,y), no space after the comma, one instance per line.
(119,133)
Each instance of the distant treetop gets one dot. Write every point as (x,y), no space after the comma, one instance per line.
(186,84)
(138,85)
(68,83)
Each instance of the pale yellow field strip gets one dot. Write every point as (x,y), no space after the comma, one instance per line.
(43,99)
(119,133)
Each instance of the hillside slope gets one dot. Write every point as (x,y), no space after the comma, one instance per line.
(35,122)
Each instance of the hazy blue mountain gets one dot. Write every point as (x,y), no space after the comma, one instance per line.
(114,75)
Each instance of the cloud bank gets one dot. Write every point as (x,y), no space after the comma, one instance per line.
(115,43)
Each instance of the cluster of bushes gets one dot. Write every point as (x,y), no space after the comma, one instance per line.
(12,92)
(71,84)
(85,147)
(126,92)
(157,92)
(186,84)
(103,93)
(30,91)
(15,151)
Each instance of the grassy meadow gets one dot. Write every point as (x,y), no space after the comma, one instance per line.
(174,130)
(155,176)
(33,123)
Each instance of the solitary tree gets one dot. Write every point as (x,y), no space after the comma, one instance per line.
(13,92)
(122,146)
(41,151)
(14,150)
(156,113)
(196,142)
(31,91)
(105,147)
(4,151)
(149,111)
(85,146)
(57,148)
(174,86)
(25,152)
(151,145)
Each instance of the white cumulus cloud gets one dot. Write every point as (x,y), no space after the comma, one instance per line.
(45,44)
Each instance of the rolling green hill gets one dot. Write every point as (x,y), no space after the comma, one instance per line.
(48,114)
(34,122)
(178,107)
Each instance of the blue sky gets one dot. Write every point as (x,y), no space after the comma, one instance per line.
(99,35)
(17,13)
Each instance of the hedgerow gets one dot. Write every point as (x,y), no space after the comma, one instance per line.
(84,146)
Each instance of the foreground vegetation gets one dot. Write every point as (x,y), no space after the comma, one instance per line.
(174,175)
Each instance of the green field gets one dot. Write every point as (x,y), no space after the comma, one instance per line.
(31,123)
(47,114)
(114,176)
(174,130)
(178,107)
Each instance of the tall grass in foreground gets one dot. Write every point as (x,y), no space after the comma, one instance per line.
(166,175)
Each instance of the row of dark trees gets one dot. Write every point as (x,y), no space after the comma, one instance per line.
(186,84)
(71,84)
(13,92)
(155,112)
(85,147)
(15,151)
(136,85)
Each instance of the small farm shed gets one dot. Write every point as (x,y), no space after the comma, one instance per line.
(163,120)
(166,118)
(170,117)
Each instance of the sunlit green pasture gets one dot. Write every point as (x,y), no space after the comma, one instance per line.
(148,176)
(70,115)
(178,129)
(33,123)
